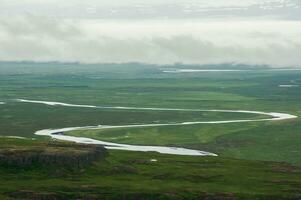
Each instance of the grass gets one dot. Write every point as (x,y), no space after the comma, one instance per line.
(171,177)
(257,140)
(176,135)
(146,86)
(271,141)
(244,148)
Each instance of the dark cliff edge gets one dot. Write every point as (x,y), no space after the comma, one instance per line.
(51,154)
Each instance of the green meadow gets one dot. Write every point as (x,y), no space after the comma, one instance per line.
(256,159)
(136,175)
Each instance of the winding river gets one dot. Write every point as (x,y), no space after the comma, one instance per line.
(58,133)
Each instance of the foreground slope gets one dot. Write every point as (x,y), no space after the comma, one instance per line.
(134,175)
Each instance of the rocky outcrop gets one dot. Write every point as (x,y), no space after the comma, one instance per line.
(64,155)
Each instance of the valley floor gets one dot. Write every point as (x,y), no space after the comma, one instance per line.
(257,159)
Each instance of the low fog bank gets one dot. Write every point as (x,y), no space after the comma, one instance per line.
(273,43)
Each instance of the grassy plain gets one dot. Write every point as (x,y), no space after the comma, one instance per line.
(244,148)
(147,86)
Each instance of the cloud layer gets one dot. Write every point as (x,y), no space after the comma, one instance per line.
(154,9)
(275,43)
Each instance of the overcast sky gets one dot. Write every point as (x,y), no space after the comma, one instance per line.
(152,31)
